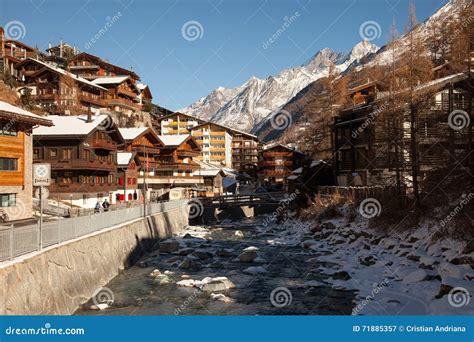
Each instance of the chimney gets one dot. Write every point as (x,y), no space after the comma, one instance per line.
(89,115)
(61,48)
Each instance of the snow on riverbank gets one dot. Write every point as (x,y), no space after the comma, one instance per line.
(405,273)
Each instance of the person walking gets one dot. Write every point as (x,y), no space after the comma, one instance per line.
(106,205)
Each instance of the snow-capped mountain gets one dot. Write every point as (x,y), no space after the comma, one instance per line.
(244,107)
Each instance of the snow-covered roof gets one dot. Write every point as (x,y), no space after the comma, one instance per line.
(66,73)
(132,133)
(292,177)
(110,79)
(173,140)
(298,170)
(21,113)
(141,86)
(123,158)
(71,125)
(316,163)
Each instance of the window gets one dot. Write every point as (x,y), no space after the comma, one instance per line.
(53,153)
(67,153)
(8,129)
(8,164)
(87,154)
(36,153)
(7,200)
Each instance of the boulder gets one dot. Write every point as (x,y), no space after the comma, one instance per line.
(415,277)
(185,251)
(308,243)
(202,255)
(221,298)
(238,234)
(224,252)
(172,260)
(155,273)
(216,284)
(186,283)
(163,279)
(190,262)
(169,246)
(247,256)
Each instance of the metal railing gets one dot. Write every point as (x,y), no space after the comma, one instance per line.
(16,241)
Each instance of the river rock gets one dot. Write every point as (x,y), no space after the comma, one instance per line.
(255,270)
(415,277)
(185,251)
(248,256)
(172,260)
(190,262)
(169,246)
(202,255)
(186,283)
(221,298)
(216,284)
(163,279)
(308,243)
(328,225)
(155,273)
(239,234)
(224,252)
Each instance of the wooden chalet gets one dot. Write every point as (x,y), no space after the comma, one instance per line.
(58,91)
(175,166)
(16,184)
(372,139)
(13,52)
(245,148)
(122,94)
(91,67)
(82,151)
(278,162)
(128,165)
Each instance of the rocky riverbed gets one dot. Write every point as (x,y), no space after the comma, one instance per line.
(293,268)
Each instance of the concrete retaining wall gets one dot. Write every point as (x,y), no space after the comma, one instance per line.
(59,279)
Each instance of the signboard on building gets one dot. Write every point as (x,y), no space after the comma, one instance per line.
(41,174)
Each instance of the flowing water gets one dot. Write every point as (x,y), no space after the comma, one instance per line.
(290,272)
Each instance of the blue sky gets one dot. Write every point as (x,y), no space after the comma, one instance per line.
(148,35)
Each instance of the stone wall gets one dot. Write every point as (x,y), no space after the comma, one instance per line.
(61,278)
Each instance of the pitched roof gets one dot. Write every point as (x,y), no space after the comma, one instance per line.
(19,114)
(173,140)
(111,79)
(232,130)
(101,61)
(72,125)
(123,158)
(63,72)
(132,133)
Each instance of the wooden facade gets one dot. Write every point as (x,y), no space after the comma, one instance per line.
(16,187)
(83,165)
(278,162)
(372,139)
(245,152)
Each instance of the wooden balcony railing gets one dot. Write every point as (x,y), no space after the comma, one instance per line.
(104,144)
(79,164)
(123,102)
(81,187)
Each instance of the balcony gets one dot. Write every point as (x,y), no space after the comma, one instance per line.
(92,99)
(273,154)
(81,187)
(124,103)
(104,144)
(287,163)
(80,164)
(127,92)
(145,149)
(161,166)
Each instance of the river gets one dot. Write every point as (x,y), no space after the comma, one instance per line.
(282,280)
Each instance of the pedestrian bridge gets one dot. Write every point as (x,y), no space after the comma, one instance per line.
(250,200)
